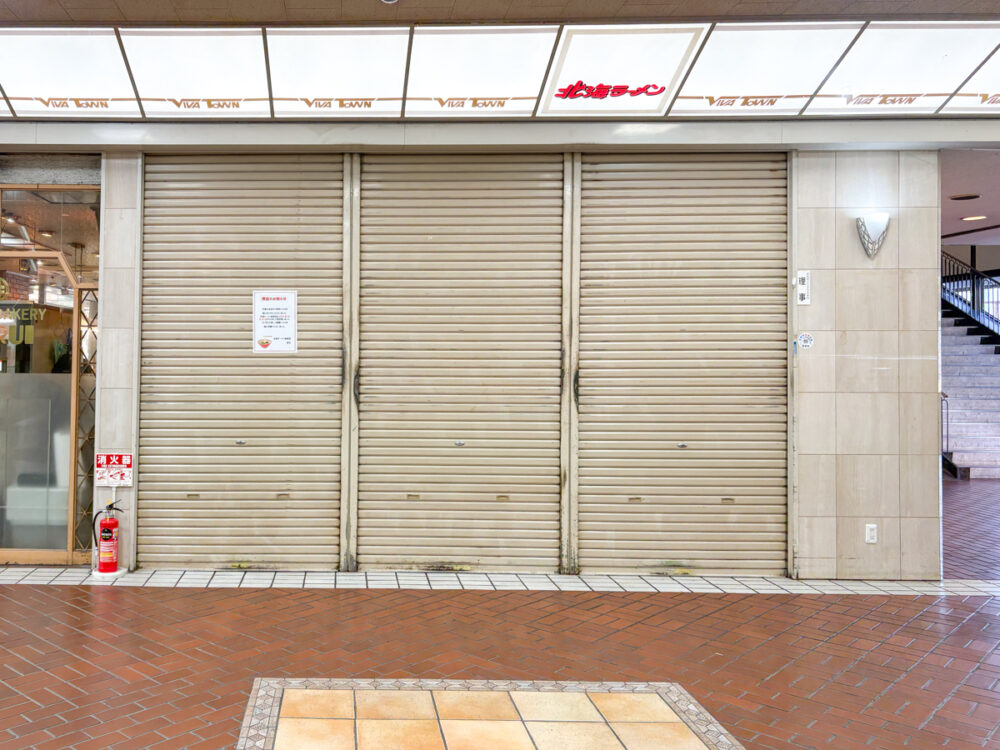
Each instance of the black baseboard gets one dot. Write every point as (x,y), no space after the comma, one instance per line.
(956,471)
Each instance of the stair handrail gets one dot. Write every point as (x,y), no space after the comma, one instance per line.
(972,292)
(946,418)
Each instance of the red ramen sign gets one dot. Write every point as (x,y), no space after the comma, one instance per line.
(581,90)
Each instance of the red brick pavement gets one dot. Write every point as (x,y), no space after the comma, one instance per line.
(172,668)
(971,528)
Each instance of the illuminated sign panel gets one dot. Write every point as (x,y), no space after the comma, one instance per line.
(71,73)
(475,71)
(337,72)
(762,69)
(645,59)
(199,72)
(910,68)
(981,95)
(583,71)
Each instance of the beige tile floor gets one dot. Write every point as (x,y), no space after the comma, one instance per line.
(478,720)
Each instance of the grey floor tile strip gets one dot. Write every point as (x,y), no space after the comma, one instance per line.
(610,583)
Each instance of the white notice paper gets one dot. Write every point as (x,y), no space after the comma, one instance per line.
(275,321)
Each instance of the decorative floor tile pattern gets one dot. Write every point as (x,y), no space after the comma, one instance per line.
(971,528)
(122,667)
(491,582)
(310,714)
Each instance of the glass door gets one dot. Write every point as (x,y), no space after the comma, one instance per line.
(36,354)
(48,266)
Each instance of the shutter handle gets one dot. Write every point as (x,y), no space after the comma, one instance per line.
(576,388)
(357,385)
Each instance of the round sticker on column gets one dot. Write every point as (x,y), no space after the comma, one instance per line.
(806,340)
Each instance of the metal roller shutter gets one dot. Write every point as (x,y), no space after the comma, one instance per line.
(683,342)
(239,454)
(460,361)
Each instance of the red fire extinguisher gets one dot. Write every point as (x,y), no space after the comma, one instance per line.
(106,540)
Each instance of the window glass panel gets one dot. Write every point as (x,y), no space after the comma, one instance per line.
(62,221)
(76,73)
(909,68)
(474,71)
(199,72)
(337,72)
(762,69)
(982,92)
(618,70)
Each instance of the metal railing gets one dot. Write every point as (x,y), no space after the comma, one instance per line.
(972,292)
(946,423)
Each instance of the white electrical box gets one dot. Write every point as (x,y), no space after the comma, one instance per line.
(871,533)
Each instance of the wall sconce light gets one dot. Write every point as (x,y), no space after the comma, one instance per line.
(872,229)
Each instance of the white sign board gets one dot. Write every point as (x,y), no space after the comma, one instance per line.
(113,470)
(275,322)
(803,288)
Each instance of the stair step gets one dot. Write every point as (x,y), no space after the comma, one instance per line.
(954,382)
(984,472)
(970,360)
(948,371)
(977,416)
(956,331)
(970,371)
(976,458)
(982,393)
(973,444)
(957,350)
(975,429)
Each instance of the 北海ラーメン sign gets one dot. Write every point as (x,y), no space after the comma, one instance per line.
(275,321)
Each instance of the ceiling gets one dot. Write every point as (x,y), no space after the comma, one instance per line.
(971,172)
(489,11)
(775,70)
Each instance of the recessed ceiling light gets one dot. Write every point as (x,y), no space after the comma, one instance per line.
(973,218)
(965,197)
(46,232)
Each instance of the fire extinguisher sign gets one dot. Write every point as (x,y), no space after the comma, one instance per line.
(113,470)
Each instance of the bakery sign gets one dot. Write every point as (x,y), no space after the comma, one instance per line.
(275,322)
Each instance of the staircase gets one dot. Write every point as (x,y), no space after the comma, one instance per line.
(970,377)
